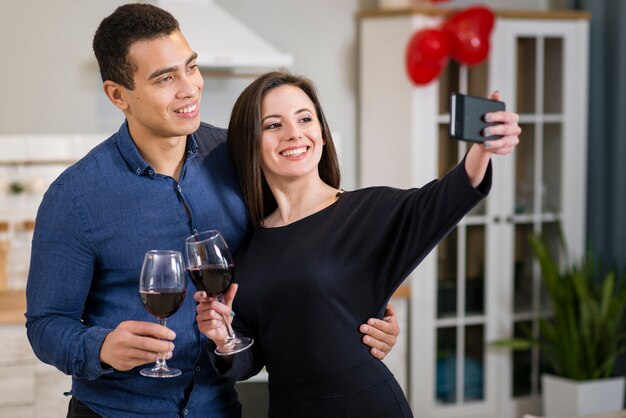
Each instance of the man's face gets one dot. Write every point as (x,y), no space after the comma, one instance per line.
(168,86)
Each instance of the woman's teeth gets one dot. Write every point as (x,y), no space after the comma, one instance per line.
(293,152)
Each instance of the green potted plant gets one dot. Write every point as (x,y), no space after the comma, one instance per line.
(583,338)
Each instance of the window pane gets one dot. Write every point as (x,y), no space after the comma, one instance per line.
(448,82)
(552,168)
(553,75)
(474,363)
(551,233)
(526,74)
(523,273)
(525,170)
(478,79)
(447,276)
(446,365)
(522,362)
(448,151)
(475,270)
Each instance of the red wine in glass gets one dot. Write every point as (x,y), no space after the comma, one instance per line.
(214,279)
(162,303)
(162,288)
(211,268)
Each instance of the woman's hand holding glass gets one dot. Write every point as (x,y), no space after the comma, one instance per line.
(210,314)
(211,267)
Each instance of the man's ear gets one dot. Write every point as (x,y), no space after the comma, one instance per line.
(116,94)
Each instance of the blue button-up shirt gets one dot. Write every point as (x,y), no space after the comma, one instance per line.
(94,225)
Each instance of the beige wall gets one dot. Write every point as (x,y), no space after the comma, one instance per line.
(48,77)
(321,36)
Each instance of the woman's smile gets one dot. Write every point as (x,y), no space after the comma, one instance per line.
(293,153)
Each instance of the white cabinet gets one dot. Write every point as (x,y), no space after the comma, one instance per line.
(481,282)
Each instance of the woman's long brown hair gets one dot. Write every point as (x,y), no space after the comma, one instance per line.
(244,142)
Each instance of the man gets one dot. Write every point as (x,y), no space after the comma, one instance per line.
(163,176)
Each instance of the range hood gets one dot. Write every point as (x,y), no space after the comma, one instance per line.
(221,40)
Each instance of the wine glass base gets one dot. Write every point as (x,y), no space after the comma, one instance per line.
(160,372)
(233,347)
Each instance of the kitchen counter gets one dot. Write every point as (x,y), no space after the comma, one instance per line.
(12,307)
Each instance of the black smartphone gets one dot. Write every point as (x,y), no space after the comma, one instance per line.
(467,117)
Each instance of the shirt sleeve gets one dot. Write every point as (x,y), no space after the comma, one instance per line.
(62,268)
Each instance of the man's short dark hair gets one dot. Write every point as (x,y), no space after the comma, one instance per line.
(125,26)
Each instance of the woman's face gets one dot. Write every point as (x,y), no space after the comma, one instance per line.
(291,135)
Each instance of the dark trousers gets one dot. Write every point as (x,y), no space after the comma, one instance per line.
(77,409)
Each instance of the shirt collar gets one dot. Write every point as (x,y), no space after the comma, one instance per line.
(192,146)
(131,155)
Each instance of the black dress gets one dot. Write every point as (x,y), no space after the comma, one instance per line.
(305,289)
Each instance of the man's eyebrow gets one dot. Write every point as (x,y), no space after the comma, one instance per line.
(171,69)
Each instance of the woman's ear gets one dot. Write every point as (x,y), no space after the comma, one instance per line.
(116,94)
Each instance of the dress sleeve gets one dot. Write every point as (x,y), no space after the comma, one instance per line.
(61,271)
(245,364)
(414,221)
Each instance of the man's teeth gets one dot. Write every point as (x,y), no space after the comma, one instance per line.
(187,109)
(294,152)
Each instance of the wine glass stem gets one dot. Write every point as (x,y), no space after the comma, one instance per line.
(229,329)
(160,362)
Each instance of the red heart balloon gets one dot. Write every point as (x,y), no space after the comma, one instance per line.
(469,32)
(426,55)
(424,71)
(432,44)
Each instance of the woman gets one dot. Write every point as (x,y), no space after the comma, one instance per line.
(322,259)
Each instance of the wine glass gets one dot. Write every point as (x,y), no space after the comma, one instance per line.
(211,268)
(162,290)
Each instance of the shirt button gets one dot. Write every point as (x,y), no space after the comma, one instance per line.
(151,172)
(185,412)
(138,170)
(180,189)
(198,369)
